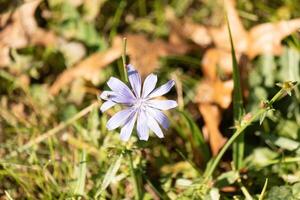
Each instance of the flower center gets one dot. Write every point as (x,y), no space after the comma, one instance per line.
(140,103)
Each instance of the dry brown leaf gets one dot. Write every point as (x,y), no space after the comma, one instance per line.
(215,92)
(214,58)
(144,54)
(212,118)
(220,36)
(89,68)
(266,38)
(22,30)
(187,29)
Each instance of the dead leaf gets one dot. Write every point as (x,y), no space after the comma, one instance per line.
(212,118)
(89,68)
(215,92)
(215,60)
(220,36)
(144,54)
(22,30)
(266,38)
(186,29)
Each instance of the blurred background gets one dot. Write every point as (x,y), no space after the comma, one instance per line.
(56,55)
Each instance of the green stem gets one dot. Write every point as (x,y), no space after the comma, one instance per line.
(138,195)
(238,132)
(124,60)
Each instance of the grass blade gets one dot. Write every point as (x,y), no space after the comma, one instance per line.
(110,174)
(262,194)
(238,110)
(197,136)
(80,174)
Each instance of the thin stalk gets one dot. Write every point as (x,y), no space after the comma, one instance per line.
(54,130)
(239,131)
(244,190)
(238,109)
(262,194)
(284,160)
(124,60)
(137,190)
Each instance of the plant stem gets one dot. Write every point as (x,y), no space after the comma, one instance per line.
(137,190)
(124,60)
(239,131)
(54,130)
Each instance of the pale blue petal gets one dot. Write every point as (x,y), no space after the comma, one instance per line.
(153,125)
(149,84)
(106,94)
(135,80)
(162,104)
(118,119)
(116,97)
(162,89)
(159,116)
(107,105)
(141,126)
(119,87)
(128,127)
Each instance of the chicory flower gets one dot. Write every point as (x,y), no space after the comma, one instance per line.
(141,109)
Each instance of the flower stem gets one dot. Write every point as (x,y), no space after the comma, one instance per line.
(138,195)
(124,60)
(238,132)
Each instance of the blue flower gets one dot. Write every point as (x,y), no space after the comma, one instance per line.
(141,107)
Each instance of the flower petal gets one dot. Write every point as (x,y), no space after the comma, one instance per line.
(119,118)
(107,105)
(105,95)
(159,116)
(141,126)
(149,84)
(162,104)
(153,125)
(116,97)
(135,80)
(119,87)
(162,89)
(128,127)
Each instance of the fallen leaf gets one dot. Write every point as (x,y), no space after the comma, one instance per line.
(220,36)
(144,54)
(266,38)
(212,118)
(186,29)
(215,60)
(22,30)
(88,68)
(215,92)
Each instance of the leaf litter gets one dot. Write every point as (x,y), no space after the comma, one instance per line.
(20,29)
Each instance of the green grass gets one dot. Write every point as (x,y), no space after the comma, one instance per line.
(58,147)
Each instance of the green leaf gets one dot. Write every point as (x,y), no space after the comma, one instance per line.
(80,174)
(262,117)
(227,178)
(280,193)
(93,126)
(283,142)
(260,157)
(197,135)
(110,174)
(238,109)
